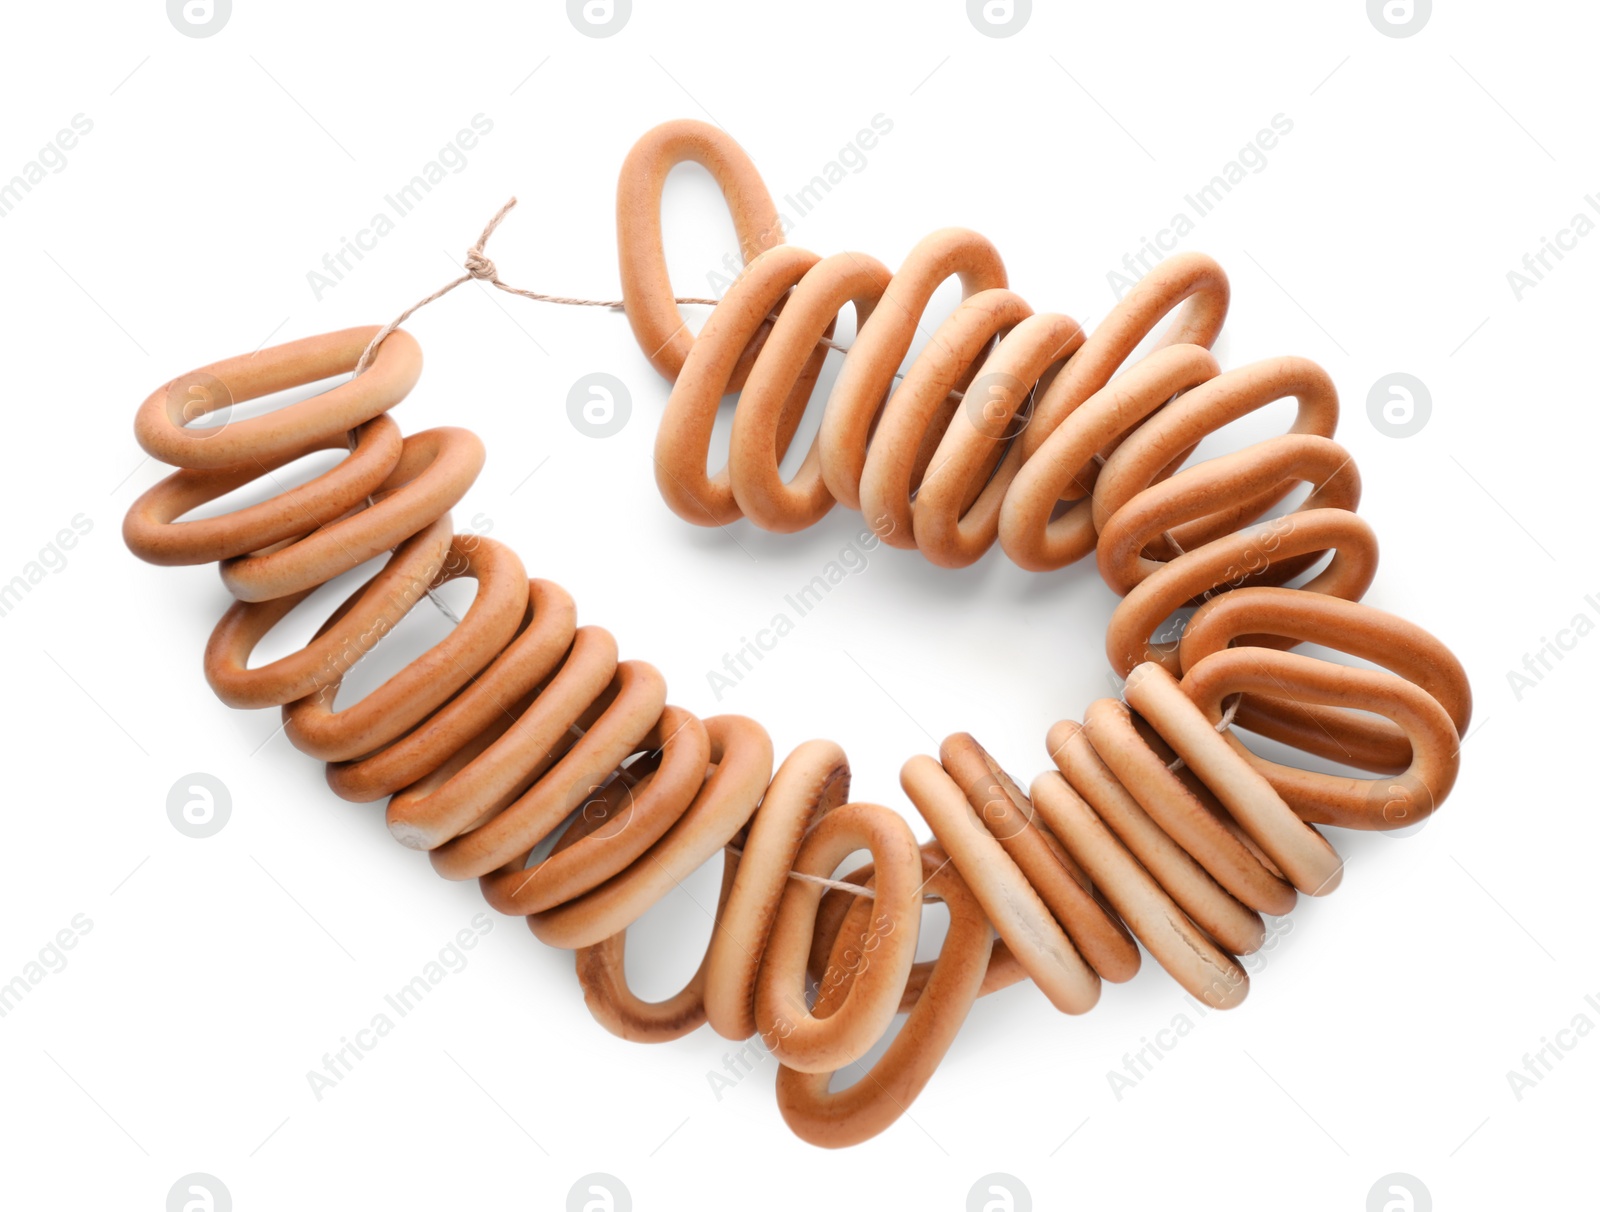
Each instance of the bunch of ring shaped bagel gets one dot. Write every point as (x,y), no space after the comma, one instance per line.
(521,751)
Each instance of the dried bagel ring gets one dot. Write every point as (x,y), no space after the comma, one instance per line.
(162,420)
(835,1119)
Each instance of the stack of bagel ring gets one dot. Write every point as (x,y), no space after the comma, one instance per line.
(522,751)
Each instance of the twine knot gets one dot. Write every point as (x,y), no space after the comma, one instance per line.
(479,266)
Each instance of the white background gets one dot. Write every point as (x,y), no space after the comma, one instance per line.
(219,171)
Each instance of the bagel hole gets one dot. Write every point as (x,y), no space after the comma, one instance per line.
(1251,571)
(1269,421)
(857,955)
(699,240)
(1029,406)
(296,629)
(935,925)
(547,844)
(1167,637)
(942,304)
(260,406)
(845,327)
(1337,656)
(1294,500)
(842,871)
(264,487)
(851,862)
(604,813)
(857,1070)
(1151,341)
(667,943)
(1317,568)
(1287,755)
(422,627)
